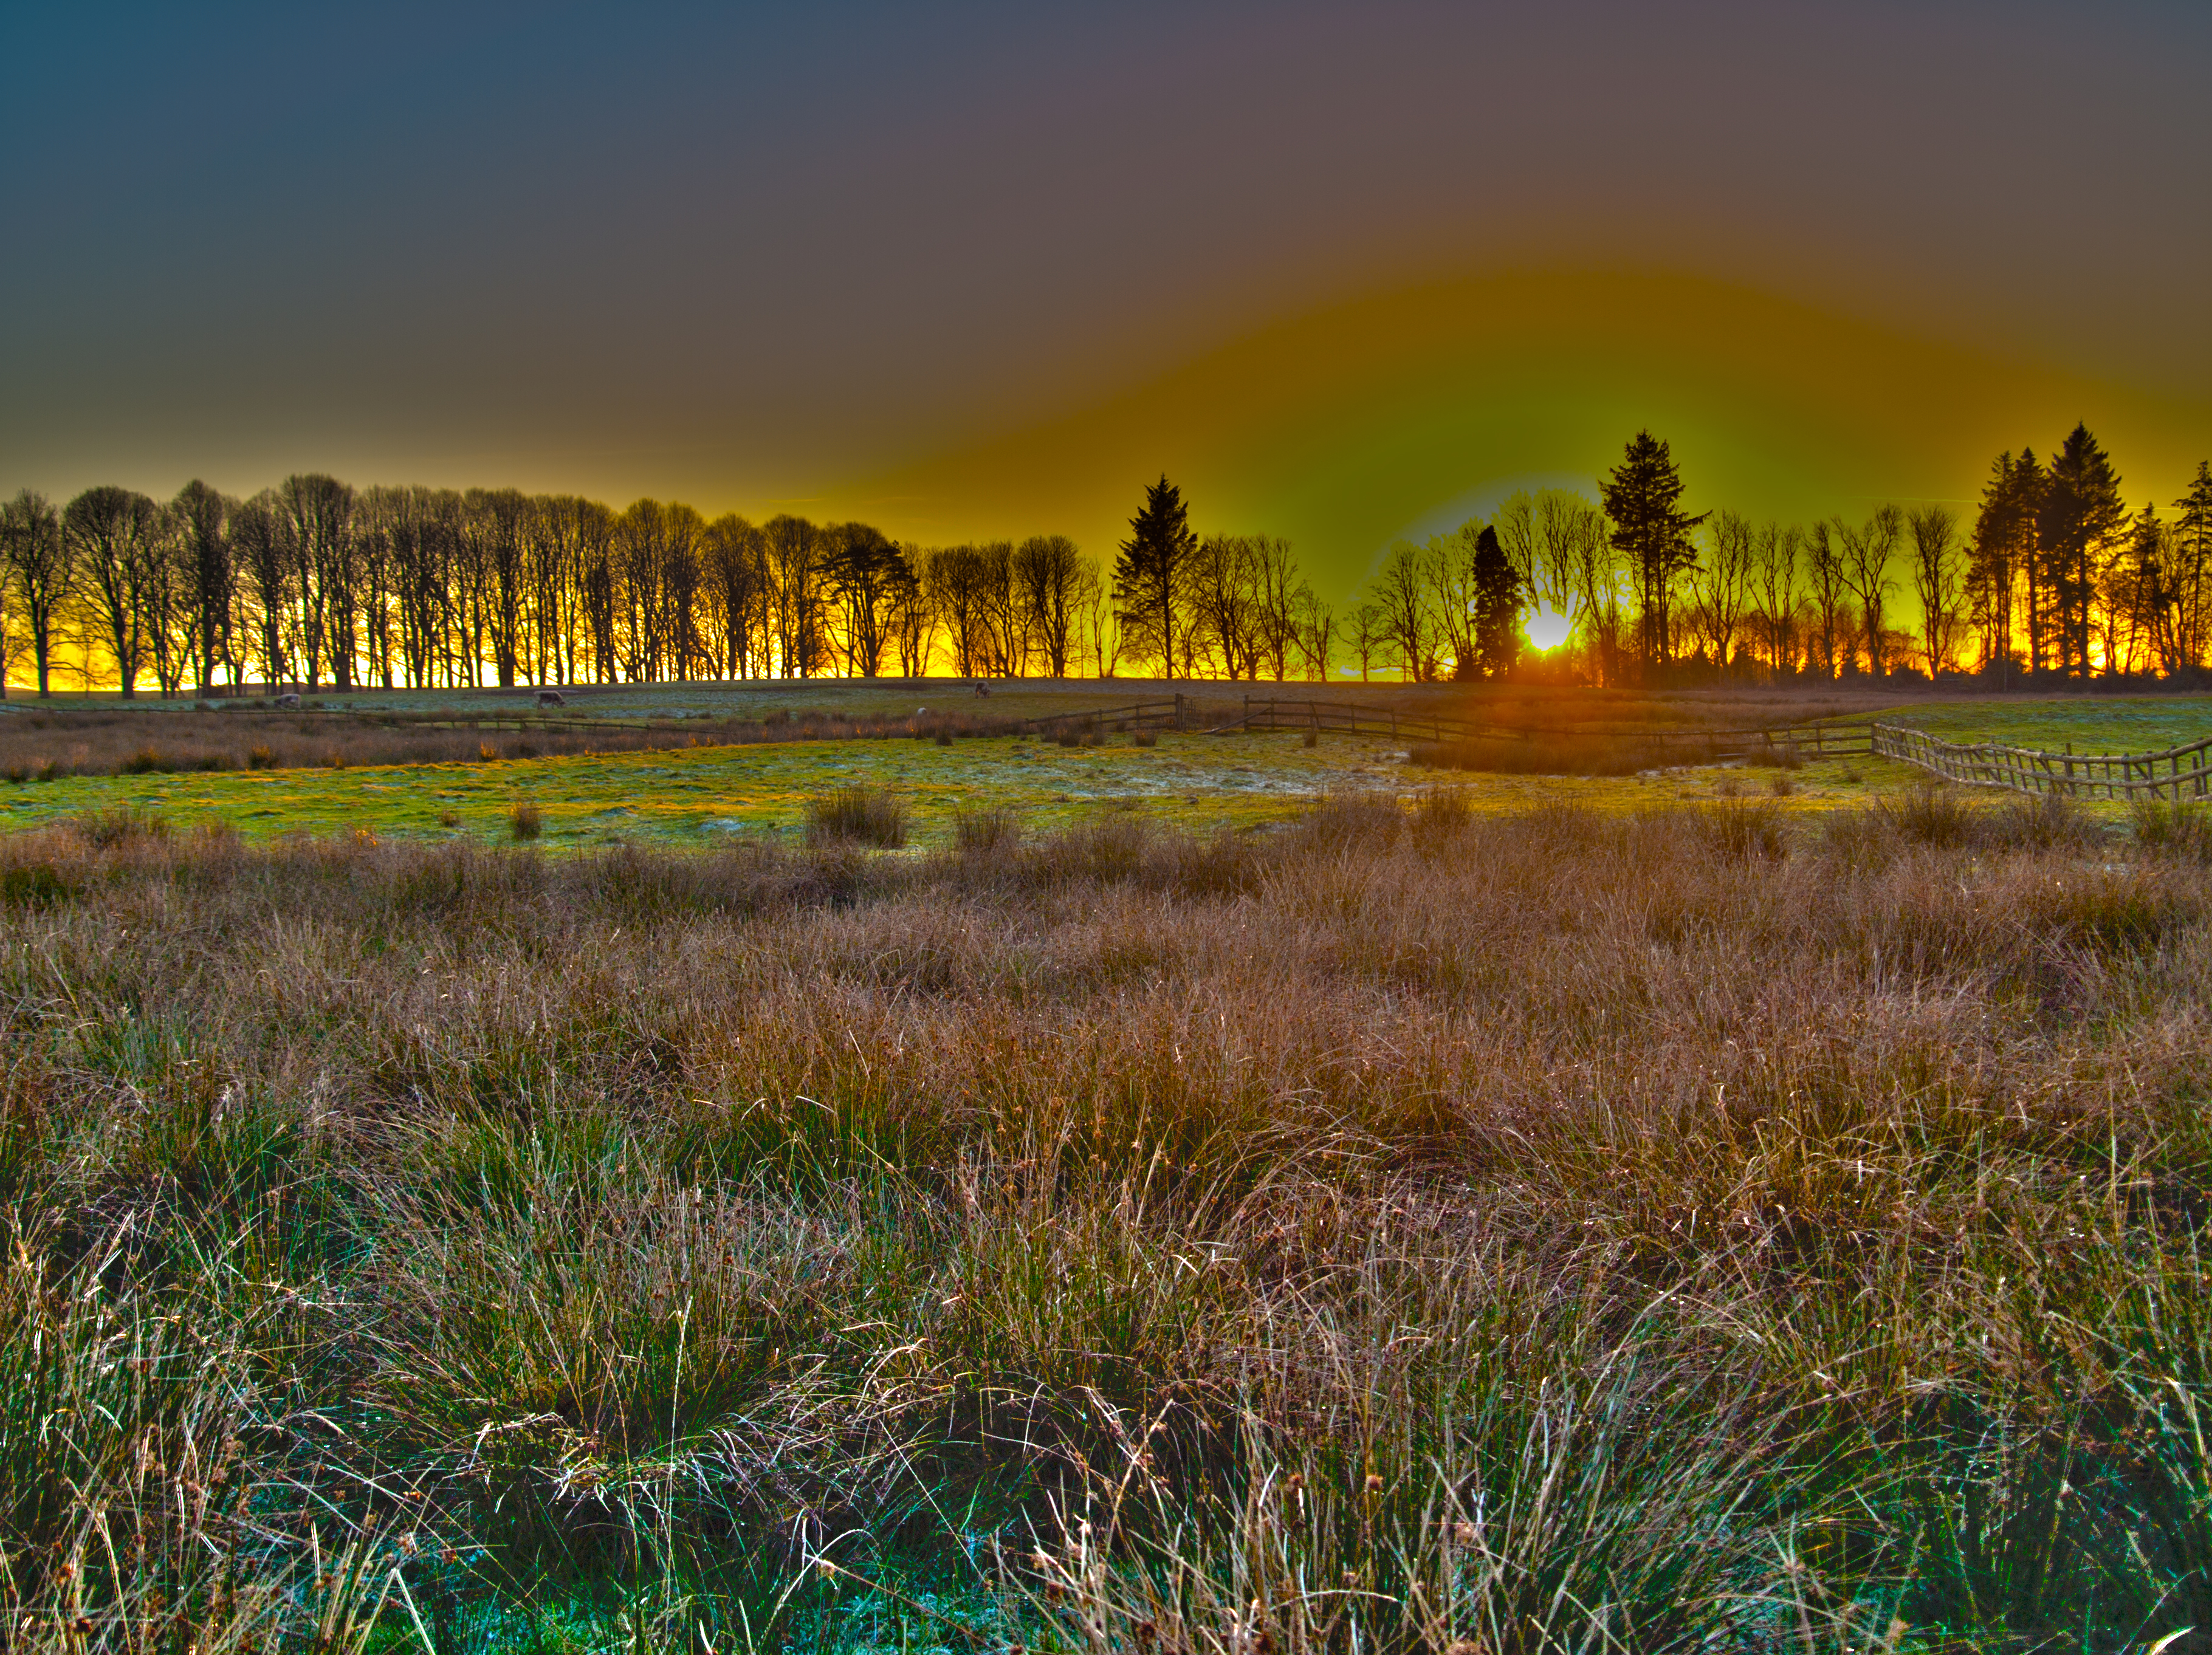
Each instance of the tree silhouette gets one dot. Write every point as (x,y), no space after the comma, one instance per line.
(1642,496)
(1496,607)
(34,551)
(2083,516)
(1148,575)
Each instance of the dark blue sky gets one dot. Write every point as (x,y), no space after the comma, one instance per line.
(739,253)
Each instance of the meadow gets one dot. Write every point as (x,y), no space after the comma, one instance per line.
(743,761)
(1338,1208)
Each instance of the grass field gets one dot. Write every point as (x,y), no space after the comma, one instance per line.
(696,795)
(681,795)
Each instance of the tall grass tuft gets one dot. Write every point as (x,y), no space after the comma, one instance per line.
(857,814)
(985,828)
(2173,828)
(526,821)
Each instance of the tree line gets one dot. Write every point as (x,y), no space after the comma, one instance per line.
(2054,578)
(314,583)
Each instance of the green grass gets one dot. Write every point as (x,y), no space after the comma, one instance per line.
(703,795)
(697,795)
(2092,724)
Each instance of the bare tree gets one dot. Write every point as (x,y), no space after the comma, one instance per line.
(682,579)
(1220,603)
(265,564)
(115,535)
(1937,581)
(1774,586)
(795,550)
(913,624)
(1867,552)
(1722,587)
(598,599)
(1829,592)
(204,516)
(169,619)
(866,573)
(1401,601)
(317,515)
(737,590)
(1313,631)
(1576,575)
(1006,639)
(1102,631)
(1049,573)
(1369,633)
(39,557)
(1447,570)
(954,578)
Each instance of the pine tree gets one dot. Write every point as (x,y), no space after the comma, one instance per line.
(1496,607)
(1148,575)
(2002,556)
(2190,568)
(1642,497)
(2082,517)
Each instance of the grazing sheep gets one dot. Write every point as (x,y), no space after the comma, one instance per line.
(551,698)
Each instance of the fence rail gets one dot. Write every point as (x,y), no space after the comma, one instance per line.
(2173,772)
(1345,717)
(1166,714)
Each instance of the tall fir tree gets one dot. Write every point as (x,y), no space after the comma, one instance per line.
(1642,496)
(1498,596)
(2001,558)
(2189,571)
(2082,520)
(1148,575)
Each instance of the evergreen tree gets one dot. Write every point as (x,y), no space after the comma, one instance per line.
(2082,517)
(2001,558)
(1496,607)
(1148,575)
(1642,496)
(2189,571)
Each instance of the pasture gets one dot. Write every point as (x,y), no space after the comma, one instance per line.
(731,774)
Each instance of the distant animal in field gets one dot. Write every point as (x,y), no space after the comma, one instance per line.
(289,702)
(982,689)
(551,698)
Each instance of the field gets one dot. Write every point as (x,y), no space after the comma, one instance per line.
(679,786)
(1255,1199)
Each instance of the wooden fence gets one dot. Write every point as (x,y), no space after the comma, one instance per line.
(1171,714)
(2176,773)
(1347,719)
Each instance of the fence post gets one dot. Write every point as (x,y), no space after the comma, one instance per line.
(1178,710)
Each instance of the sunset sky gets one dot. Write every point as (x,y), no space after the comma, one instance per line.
(1348,273)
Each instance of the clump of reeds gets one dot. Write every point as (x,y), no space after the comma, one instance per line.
(526,821)
(857,815)
(2172,827)
(985,828)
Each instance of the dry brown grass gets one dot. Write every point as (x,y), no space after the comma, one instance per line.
(1511,1225)
(50,742)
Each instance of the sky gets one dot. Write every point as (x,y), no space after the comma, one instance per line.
(1345,272)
